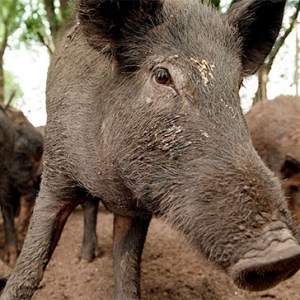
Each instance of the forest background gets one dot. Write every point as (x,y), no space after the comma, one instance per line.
(30,30)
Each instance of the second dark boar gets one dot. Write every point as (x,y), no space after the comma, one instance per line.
(144,115)
(6,198)
(275,131)
(26,169)
(21,150)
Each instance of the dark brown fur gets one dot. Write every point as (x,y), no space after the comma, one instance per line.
(275,131)
(6,197)
(89,245)
(25,170)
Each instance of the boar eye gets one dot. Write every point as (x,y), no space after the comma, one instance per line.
(162,76)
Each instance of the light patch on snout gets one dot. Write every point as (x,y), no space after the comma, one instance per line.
(205,69)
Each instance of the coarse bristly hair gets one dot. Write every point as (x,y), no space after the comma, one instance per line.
(131,32)
(117,25)
(143,114)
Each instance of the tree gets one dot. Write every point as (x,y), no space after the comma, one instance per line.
(11,12)
(28,22)
(59,21)
(216,3)
(12,88)
(263,72)
(48,20)
(220,4)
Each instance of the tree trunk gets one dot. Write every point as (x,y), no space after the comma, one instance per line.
(52,20)
(3,47)
(1,78)
(263,72)
(59,24)
(261,93)
(296,23)
(67,19)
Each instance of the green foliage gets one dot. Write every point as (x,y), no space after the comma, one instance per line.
(216,2)
(34,27)
(22,21)
(68,11)
(11,13)
(213,2)
(12,88)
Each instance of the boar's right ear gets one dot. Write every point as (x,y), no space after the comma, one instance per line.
(258,23)
(107,21)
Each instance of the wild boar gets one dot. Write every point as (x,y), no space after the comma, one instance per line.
(143,115)
(21,149)
(275,132)
(26,169)
(8,206)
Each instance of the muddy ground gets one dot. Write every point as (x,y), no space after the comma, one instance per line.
(170,269)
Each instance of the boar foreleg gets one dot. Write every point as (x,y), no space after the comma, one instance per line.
(129,238)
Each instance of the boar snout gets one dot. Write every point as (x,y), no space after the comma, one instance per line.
(275,258)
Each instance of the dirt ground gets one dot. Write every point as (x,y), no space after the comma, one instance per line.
(170,269)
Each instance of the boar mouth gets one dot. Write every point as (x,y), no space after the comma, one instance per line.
(279,262)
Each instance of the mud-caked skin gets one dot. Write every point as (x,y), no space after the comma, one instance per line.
(275,131)
(143,114)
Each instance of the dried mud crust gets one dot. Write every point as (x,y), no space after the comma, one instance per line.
(170,269)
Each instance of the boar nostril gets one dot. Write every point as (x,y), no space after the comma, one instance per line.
(280,263)
(257,280)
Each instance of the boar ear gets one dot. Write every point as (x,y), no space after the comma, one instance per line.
(290,167)
(258,23)
(107,21)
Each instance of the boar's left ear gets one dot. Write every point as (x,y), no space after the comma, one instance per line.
(290,167)
(107,21)
(258,23)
